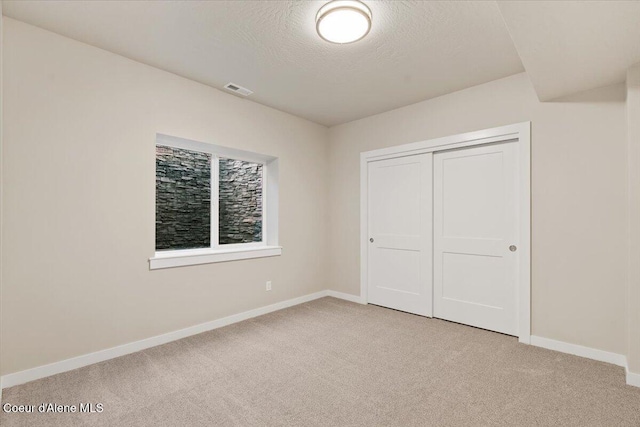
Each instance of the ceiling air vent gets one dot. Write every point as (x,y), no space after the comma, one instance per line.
(238,89)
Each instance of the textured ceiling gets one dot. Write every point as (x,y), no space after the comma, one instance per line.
(572,46)
(415,51)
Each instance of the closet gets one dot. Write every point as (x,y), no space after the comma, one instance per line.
(444,225)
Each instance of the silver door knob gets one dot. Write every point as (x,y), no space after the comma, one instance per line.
(513,248)
(371,240)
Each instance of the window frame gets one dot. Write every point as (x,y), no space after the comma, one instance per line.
(216,252)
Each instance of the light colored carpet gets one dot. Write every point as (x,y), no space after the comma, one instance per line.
(334,363)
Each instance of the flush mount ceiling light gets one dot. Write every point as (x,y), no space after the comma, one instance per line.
(343,21)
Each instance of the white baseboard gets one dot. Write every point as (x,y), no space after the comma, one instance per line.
(578,350)
(633,379)
(348,297)
(33,374)
(590,353)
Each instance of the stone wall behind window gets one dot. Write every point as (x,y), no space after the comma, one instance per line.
(240,195)
(183,199)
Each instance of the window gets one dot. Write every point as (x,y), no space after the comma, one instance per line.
(240,201)
(183,198)
(213,204)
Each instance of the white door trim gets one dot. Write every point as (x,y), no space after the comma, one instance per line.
(520,132)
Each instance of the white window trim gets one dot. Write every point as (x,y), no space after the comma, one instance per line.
(181,258)
(268,247)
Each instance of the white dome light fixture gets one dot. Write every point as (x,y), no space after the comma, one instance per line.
(343,21)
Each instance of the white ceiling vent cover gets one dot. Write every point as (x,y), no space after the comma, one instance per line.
(238,89)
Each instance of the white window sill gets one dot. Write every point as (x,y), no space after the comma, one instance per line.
(186,257)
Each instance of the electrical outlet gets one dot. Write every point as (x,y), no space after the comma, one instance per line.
(269,285)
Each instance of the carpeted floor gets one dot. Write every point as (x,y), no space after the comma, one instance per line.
(334,363)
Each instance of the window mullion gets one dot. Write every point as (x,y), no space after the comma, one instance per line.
(215,202)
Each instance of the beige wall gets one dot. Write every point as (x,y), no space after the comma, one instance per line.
(633,137)
(79,189)
(579,197)
(1,182)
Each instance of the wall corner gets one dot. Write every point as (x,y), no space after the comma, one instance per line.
(633,141)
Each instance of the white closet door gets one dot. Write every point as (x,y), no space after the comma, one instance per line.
(400,233)
(475,236)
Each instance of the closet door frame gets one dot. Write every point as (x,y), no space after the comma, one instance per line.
(519,133)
